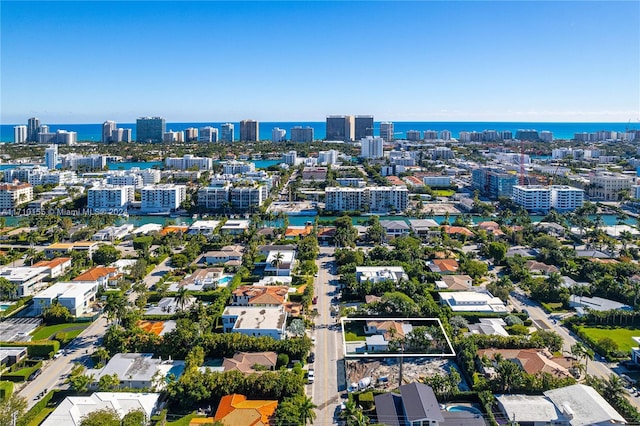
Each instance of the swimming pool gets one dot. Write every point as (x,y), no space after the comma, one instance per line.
(176,370)
(225,280)
(4,306)
(466,408)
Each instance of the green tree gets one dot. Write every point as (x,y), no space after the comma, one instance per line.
(277,260)
(182,298)
(375,232)
(8,290)
(103,417)
(497,251)
(105,255)
(108,382)
(474,268)
(55,313)
(138,270)
(346,234)
(79,382)
(179,260)
(307,410)
(12,408)
(134,418)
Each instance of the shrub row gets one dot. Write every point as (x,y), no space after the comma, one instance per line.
(39,348)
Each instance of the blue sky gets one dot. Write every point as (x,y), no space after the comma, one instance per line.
(77,62)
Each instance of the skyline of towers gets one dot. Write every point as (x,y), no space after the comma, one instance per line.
(340,128)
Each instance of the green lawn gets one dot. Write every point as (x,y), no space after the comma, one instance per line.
(184,421)
(41,416)
(72,329)
(354,332)
(443,192)
(553,307)
(622,336)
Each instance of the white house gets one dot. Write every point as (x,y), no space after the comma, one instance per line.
(56,266)
(287,263)
(73,408)
(26,278)
(235,226)
(137,370)
(75,296)
(380,273)
(204,227)
(255,321)
(472,301)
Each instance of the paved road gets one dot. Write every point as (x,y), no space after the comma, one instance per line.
(54,371)
(158,272)
(541,321)
(329,362)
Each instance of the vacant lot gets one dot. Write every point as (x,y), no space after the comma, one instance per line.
(622,336)
(72,329)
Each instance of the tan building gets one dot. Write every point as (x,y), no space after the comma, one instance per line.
(607,186)
(14,194)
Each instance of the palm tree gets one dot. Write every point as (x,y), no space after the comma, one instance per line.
(581,351)
(353,415)
(613,388)
(277,261)
(307,410)
(182,298)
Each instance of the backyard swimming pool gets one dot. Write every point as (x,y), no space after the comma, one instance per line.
(458,408)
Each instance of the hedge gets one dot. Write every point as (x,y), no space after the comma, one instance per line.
(366,400)
(15,307)
(39,348)
(6,389)
(35,410)
(22,374)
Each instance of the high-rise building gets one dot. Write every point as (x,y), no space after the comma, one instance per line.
(527,135)
(537,198)
(386,131)
(494,183)
(20,134)
(371,147)
(340,128)
(108,127)
(13,195)
(150,129)
(33,127)
(290,158)
(121,135)
(172,136)
(546,136)
(363,126)
(414,135)
(328,157)
(51,157)
(302,134)
(249,131)
(208,134)
(445,135)
(506,135)
(162,198)
(226,134)
(278,135)
(104,197)
(191,134)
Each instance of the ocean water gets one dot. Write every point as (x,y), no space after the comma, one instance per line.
(92,132)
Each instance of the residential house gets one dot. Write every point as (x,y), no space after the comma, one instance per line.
(56,266)
(246,361)
(254,295)
(536,267)
(326,234)
(531,361)
(455,283)
(225,255)
(237,410)
(64,248)
(235,227)
(583,303)
(550,228)
(491,228)
(28,279)
(100,275)
(137,370)
(159,328)
(75,296)
(457,230)
(575,405)
(111,233)
(73,408)
(200,279)
(298,231)
(472,301)
(380,273)
(395,228)
(280,263)
(255,320)
(489,327)
(424,227)
(443,266)
(12,355)
(380,333)
(204,227)
(415,405)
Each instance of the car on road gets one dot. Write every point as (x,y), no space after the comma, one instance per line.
(35,374)
(310,376)
(313,340)
(311,358)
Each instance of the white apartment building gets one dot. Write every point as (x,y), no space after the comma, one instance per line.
(566,198)
(190,134)
(14,194)
(208,134)
(188,161)
(278,135)
(372,199)
(543,198)
(75,161)
(607,186)
(215,196)
(125,179)
(75,296)
(162,198)
(51,158)
(172,136)
(290,158)
(532,197)
(371,147)
(150,176)
(237,167)
(247,197)
(19,134)
(388,198)
(101,198)
(328,157)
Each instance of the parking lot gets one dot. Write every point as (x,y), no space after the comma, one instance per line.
(16,329)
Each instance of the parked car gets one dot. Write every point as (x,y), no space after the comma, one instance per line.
(311,358)
(35,374)
(310,376)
